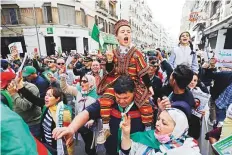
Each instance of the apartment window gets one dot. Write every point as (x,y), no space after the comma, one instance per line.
(83,18)
(112,28)
(101,21)
(111,9)
(10,16)
(216,5)
(106,27)
(96,20)
(228,1)
(66,14)
(47,13)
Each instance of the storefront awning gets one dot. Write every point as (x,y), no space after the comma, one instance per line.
(222,24)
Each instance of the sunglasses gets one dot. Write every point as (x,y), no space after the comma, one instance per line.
(60,63)
(84,81)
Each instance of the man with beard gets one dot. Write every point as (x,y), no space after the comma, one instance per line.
(125,60)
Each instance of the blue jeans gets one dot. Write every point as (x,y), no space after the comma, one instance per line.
(35,130)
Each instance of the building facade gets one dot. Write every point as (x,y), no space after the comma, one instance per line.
(60,25)
(138,13)
(210,24)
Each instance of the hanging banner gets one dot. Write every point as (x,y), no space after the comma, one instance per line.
(224,58)
(194,16)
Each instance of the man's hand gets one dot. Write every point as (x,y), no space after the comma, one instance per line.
(126,126)
(58,133)
(19,81)
(205,65)
(11,88)
(89,123)
(165,103)
(62,70)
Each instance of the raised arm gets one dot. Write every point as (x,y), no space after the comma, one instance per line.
(31,97)
(67,88)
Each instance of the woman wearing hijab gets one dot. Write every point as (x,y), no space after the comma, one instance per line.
(85,95)
(169,137)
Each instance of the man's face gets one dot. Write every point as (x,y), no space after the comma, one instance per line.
(30,77)
(51,63)
(172,80)
(60,63)
(87,64)
(152,70)
(124,36)
(124,99)
(74,60)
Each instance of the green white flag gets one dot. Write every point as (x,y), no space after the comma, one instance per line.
(96,35)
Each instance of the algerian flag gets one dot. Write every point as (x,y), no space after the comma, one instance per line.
(101,41)
(96,35)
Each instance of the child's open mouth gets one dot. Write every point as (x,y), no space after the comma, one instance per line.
(126,39)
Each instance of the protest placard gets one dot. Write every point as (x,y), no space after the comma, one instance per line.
(15,47)
(201,99)
(224,58)
(224,146)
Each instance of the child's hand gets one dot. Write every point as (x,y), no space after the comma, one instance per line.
(151,90)
(109,56)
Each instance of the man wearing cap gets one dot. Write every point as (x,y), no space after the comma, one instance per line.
(29,112)
(125,60)
(87,61)
(29,72)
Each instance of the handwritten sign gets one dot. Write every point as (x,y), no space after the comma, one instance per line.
(224,58)
(224,147)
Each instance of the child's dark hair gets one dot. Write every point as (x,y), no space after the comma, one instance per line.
(190,43)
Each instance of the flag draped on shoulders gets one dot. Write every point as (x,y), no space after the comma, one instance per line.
(16,137)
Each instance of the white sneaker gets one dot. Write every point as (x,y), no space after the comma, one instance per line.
(103,135)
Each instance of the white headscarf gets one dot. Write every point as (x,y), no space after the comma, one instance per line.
(180,120)
(92,83)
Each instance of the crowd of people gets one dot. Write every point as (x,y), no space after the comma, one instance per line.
(116,101)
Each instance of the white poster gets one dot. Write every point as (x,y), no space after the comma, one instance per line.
(15,47)
(201,100)
(224,58)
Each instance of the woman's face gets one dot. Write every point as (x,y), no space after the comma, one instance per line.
(193,83)
(184,38)
(84,84)
(95,67)
(50,100)
(164,124)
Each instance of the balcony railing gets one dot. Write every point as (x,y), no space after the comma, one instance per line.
(113,15)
